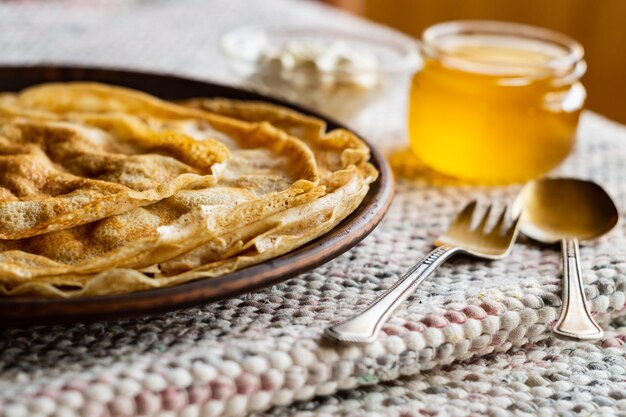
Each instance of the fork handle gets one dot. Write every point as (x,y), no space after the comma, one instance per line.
(365,325)
(575,320)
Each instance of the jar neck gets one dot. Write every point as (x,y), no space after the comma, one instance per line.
(505,50)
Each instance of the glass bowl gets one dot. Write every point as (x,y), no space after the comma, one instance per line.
(335,72)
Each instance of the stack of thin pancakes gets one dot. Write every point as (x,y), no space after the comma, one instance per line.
(106,190)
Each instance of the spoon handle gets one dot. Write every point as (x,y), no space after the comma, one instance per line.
(575,320)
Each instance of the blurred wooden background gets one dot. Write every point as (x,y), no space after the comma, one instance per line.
(599,25)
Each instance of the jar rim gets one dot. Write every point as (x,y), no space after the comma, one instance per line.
(573,50)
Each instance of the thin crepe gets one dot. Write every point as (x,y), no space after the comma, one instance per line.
(232,224)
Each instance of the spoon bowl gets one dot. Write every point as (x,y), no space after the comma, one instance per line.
(563,208)
(568,210)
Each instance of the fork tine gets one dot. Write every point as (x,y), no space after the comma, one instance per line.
(464,218)
(482,226)
(512,227)
(494,244)
(499,228)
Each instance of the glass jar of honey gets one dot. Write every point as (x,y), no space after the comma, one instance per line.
(495,102)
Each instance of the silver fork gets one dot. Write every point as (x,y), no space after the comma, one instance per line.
(460,237)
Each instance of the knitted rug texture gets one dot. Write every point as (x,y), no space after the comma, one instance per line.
(549,378)
(474,338)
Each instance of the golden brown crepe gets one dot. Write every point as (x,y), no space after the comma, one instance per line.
(57,174)
(279,181)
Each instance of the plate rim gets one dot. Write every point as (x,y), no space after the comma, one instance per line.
(20,311)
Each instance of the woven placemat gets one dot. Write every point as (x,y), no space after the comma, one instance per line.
(552,377)
(261,350)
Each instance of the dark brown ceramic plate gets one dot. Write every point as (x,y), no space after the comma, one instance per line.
(26,310)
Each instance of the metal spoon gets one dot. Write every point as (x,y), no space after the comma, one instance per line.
(568,210)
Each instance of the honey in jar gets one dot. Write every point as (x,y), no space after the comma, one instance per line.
(495,102)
